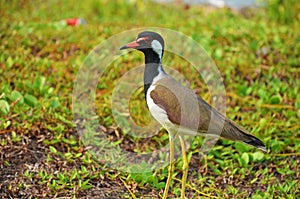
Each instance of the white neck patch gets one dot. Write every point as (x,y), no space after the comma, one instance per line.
(157,47)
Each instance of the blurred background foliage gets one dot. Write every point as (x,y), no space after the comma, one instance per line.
(257,51)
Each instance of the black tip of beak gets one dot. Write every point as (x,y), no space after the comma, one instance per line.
(124,47)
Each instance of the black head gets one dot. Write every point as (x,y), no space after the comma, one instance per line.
(147,42)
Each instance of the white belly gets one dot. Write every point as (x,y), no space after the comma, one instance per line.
(157,112)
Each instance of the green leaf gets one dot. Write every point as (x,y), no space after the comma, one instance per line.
(137,177)
(68,155)
(61,177)
(77,155)
(39,83)
(258,156)
(85,185)
(218,53)
(276,99)
(71,140)
(83,169)
(242,90)
(4,107)
(16,95)
(256,197)
(245,159)
(9,62)
(15,137)
(54,104)
(150,179)
(160,185)
(263,122)
(241,147)
(297,105)
(74,175)
(53,149)
(30,100)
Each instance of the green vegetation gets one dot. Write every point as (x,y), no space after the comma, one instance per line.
(257,52)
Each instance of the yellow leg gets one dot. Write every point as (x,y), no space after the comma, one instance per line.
(171,168)
(184,167)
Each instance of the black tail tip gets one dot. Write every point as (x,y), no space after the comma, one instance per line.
(257,143)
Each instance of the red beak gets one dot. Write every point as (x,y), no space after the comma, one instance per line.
(133,44)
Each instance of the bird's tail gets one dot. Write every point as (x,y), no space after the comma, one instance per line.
(234,132)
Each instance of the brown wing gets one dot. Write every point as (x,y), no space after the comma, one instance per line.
(185,108)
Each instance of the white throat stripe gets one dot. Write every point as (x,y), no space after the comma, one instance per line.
(157,47)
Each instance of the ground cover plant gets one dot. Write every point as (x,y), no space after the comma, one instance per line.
(256,50)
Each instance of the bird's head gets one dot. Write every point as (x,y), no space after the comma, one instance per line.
(147,42)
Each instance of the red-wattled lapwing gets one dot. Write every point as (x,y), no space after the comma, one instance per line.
(175,106)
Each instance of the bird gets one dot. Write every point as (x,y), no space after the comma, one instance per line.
(179,109)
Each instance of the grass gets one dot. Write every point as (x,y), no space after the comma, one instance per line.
(258,55)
